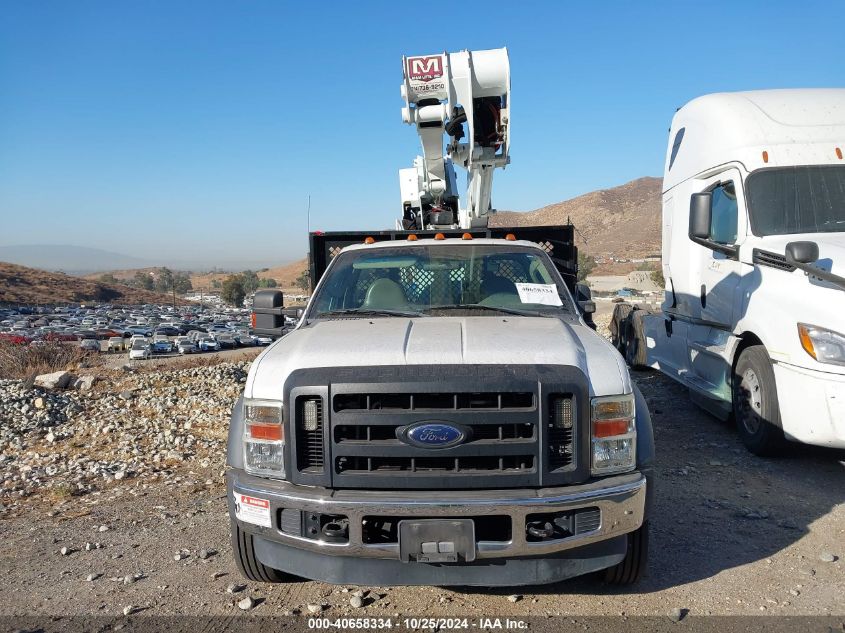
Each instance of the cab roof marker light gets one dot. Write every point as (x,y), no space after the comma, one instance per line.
(510,237)
(440,236)
(369,240)
(466,236)
(412,238)
(839,153)
(765,156)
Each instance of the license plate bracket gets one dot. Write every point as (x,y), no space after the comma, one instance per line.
(437,540)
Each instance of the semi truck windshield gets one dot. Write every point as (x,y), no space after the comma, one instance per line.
(786,200)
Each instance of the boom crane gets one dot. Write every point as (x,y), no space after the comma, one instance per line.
(465,95)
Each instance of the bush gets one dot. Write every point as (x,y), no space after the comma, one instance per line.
(23,361)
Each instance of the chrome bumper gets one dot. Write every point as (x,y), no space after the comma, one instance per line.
(621,500)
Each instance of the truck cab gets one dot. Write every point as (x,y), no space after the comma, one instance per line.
(441,414)
(754,259)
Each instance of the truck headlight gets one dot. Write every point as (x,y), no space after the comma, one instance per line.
(614,434)
(264,437)
(826,346)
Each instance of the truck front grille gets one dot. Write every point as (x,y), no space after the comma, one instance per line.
(523,427)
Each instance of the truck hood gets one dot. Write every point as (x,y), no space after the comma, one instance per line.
(437,341)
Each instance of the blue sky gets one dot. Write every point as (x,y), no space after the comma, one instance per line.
(195,131)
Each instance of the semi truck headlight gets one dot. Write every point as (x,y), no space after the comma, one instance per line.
(826,346)
(264,437)
(614,434)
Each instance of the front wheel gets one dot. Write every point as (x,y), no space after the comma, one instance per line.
(631,568)
(755,403)
(248,563)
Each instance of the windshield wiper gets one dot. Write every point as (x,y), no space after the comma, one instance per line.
(371,312)
(480,306)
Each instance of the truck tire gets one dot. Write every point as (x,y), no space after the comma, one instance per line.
(631,568)
(635,346)
(248,564)
(617,325)
(755,403)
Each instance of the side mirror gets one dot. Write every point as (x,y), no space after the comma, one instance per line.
(802,252)
(700,211)
(583,292)
(588,307)
(267,316)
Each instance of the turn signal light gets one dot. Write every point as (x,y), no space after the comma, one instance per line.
(610,428)
(265,431)
(369,240)
(839,153)
(440,236)
(765,157)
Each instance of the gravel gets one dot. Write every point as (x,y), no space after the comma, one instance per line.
(65,444)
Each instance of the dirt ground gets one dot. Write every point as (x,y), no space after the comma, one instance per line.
(732,534)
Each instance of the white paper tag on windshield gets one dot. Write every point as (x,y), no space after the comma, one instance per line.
(253,510)
(545,294)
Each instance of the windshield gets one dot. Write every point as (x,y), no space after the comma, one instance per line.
(788,200)
(449,279)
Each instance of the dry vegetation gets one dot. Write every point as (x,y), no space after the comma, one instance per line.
(26,361)
(31,286)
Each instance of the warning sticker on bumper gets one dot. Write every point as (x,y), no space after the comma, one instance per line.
(253,510)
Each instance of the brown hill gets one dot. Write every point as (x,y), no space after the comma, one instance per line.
(622,222)
(19,284)
(285,276)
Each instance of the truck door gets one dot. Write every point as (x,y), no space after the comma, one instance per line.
(720,273)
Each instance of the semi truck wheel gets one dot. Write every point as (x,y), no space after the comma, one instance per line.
(248,564)
(755,403)
(631,568)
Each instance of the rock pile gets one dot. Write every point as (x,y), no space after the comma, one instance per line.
(128,426)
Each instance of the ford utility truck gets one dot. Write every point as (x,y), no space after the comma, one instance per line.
(442,413)
(754,262)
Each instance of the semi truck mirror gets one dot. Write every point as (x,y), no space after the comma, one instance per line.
(802,252)
(700,209)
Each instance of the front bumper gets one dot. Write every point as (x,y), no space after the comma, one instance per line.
(818,416)
(620,499)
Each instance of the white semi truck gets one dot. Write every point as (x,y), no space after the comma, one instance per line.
(442,413)
(753,320)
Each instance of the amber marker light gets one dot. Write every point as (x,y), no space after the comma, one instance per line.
(412,238)
(510,237)
(440,236)
(369,240)
(466,236)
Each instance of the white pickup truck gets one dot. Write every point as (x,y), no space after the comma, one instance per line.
(441,414)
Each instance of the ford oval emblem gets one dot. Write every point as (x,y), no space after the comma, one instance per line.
(433,434)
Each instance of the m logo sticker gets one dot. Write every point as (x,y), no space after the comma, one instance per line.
(425,68)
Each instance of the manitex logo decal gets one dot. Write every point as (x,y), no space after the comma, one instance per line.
(433,434)
(425,68)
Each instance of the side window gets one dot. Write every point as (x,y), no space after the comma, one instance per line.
(723,221)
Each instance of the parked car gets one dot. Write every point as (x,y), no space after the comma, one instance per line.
(162,346)
(116,344)
(263,340)
(186,347)
(140,351)
(90,344)
(226,341)
(208,344)
(245,340)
